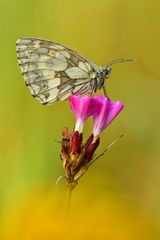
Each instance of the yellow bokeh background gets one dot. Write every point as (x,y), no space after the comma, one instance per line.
(119,197)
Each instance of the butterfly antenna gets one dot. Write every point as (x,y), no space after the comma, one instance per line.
(119,60)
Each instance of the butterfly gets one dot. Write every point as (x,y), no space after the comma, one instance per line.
(53,72)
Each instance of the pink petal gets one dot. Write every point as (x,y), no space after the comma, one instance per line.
(106,112)
(115,109)
(74,103)
(83,108)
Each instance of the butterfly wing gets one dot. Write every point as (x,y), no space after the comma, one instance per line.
(52,71)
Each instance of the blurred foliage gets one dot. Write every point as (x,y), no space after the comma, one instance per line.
(119,198)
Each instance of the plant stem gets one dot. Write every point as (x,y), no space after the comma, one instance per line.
(69,201)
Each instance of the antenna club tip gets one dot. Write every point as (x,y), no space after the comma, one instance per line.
(131,59)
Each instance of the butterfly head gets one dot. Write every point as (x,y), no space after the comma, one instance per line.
(105,72)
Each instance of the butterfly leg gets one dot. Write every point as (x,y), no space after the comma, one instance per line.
(104,91)
(91,94)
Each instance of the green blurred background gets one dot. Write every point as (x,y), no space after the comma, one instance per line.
(119,197)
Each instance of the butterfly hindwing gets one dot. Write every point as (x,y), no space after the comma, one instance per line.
(53,72)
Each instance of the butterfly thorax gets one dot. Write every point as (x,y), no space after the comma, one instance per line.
(100,78)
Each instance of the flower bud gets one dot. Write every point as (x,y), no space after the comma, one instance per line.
(76,142)
(91,147)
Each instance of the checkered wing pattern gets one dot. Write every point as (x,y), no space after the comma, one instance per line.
(52,71)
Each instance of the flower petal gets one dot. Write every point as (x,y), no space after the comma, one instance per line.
(106,112)
(115,109)
(83,108)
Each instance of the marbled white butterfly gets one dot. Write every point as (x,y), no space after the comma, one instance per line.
(53,72)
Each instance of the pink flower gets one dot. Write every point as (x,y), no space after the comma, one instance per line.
(83,108)
(76,155)
(105,114)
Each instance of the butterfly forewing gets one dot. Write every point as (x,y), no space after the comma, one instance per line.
(52,71)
